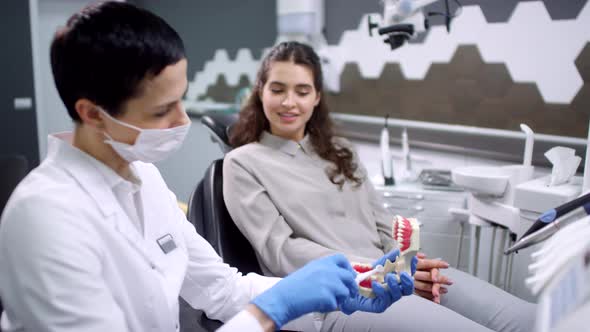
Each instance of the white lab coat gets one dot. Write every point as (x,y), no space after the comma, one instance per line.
(72,260)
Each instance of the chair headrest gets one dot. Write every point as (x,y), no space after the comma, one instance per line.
(219,125)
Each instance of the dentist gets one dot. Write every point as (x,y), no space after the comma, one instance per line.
(93,240)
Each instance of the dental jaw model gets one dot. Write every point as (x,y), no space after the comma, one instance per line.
(366,275)
(406,231)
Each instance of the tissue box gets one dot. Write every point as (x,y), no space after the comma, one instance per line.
(537,196)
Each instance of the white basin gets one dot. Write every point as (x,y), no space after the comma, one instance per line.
(487,180)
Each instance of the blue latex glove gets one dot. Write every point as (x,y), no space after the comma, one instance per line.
(320,286)
(392,255)
(383,297)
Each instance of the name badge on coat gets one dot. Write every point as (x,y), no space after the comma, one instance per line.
(166,243)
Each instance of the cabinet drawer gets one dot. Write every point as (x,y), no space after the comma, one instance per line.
(429,207)
(425,195)
(405,196)
(403,208)
(438,209)
(442,226)
(424,209)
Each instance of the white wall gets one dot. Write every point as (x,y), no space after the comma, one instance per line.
(51,113)
(186,167)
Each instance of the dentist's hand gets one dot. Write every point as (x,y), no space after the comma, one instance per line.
(320,286)
(392,256)
(383,297)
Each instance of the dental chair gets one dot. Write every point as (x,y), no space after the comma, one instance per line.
(206,207)
(219,126)
(208,213)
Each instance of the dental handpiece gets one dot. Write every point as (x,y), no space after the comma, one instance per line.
(555,242)
(543,233)
(551,215)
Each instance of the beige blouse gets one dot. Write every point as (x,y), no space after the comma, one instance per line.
(280,197)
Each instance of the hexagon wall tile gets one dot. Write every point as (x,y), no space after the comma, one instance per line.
(453,96)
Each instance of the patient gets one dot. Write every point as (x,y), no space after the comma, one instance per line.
(299,193)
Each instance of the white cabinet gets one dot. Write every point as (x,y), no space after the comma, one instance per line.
(439,232)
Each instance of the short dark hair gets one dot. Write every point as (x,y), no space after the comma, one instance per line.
(106,50)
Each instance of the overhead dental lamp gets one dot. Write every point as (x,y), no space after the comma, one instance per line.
(405,19)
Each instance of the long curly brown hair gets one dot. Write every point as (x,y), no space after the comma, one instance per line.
(252,121)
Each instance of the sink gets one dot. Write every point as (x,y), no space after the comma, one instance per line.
(487,180)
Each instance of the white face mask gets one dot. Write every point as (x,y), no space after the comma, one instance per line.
(151,145)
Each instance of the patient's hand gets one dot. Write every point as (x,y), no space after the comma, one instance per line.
(428,282)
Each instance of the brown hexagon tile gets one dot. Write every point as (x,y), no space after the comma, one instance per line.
(494,79)
(438,72)
(387,103)
(466,62)
(350,76)
(489,113)
(368,100)
(334,103)
(371,87)
(386,92)
(581,102)
(392,73)
(433,91)
(555,119)
(476,94)
(583,63)
(438,112)
(222,92)
(522,99)
(465,95)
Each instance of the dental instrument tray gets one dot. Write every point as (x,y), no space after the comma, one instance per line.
(438,179)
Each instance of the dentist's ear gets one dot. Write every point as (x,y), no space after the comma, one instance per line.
(89,113)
